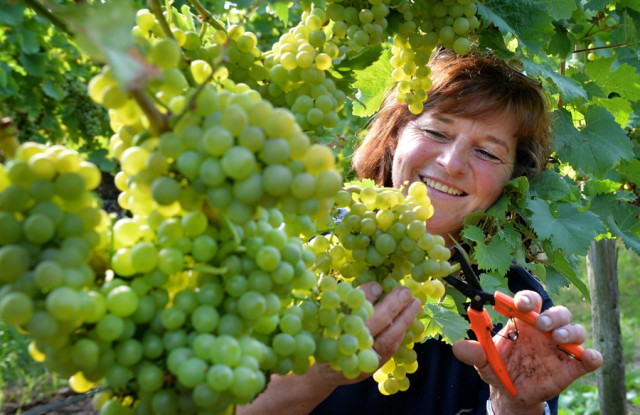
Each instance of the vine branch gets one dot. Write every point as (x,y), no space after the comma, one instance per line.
(46,13)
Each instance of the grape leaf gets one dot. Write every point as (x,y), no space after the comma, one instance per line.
(619,107)
(373,84)
(560,44)
(550,185)
(528,20)
(494,256)
(622,80)
(595,149)
(34,64)
(569,89)
(596,4)
(454,327)
(561,9)
(567,227)
(600,187)
(11,13)
(282,10)
(630,30)
(103,31)
(624,224)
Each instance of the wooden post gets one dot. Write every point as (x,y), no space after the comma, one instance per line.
(602,268)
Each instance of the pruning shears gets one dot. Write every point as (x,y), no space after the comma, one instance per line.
(469,285)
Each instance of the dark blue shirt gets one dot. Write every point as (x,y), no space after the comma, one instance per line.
(442,385)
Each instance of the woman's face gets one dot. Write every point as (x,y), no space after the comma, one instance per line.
(464,163)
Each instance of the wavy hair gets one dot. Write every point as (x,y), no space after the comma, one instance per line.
(471,87)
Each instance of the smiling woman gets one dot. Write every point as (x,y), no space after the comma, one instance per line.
(482,124)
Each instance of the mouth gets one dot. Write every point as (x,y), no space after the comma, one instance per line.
(443,187)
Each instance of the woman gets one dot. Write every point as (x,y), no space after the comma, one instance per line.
(483,123)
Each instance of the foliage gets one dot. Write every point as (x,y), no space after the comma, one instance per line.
(43,82)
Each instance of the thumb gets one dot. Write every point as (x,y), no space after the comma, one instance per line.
(470,352)
(372,290)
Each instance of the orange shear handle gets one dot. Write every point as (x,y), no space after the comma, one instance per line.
(505,306)
(481,325)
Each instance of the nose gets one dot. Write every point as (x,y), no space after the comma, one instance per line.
(454,158)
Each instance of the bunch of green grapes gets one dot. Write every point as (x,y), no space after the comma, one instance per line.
(382,237)
(358,24)
(54,245)
(425,25)
(298,67)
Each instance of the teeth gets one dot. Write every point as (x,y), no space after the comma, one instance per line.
(443,188)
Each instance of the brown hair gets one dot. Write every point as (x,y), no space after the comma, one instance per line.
(471,87)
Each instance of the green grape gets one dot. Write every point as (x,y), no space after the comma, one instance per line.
(122,301)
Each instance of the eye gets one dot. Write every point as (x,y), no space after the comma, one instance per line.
(488,155)
(436,135)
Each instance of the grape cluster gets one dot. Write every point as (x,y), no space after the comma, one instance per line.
(54,244)
(382,237)
(424,26)
(298,67)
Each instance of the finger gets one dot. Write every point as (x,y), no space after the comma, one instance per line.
(390,307)
(527,300)
(553,318)
(591,359)
(387,342)
(571,333)
(372,290)
(470,352)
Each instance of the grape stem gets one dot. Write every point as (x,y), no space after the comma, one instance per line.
(45,12)
(156,9)
(206,16)
(158,122)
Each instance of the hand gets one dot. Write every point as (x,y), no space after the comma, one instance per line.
(537,368)
(391,318)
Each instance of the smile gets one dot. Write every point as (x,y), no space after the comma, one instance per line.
(442,187)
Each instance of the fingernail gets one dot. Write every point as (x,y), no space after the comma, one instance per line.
(405,295)
(525,300)
(562,334)
(376,289)
(415,306)
(546,321)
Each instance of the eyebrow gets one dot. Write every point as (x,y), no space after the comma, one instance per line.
(492,138)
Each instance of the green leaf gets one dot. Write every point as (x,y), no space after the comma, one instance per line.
(595,149)
(528,20)
(630,31)
(474,234)
(3,77)
(282,11)
(560,44)
(561,9)
(11,13)
(567,227)
(103,30)
(631,170)
(373,84)
(52,89)
(623,80)
(631,239)
(569,89)
(30,42)
(600,187)
(34,64)
(596,5)
(454,327)
(619,107)
(563,271)
(550,185)
(496,256)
